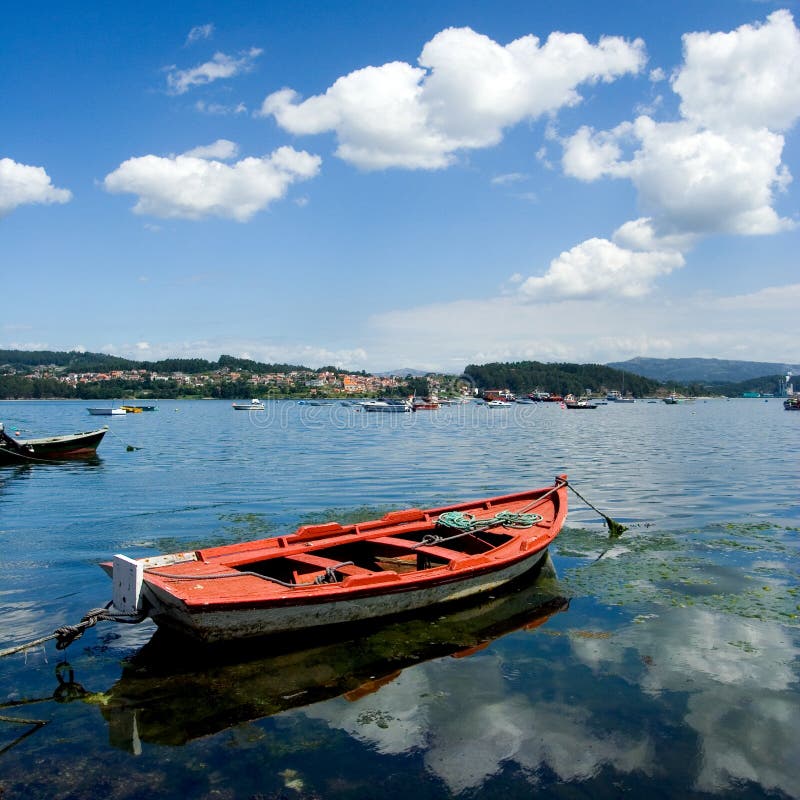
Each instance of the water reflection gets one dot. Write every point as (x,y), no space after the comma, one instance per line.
(156,698)
(737,675)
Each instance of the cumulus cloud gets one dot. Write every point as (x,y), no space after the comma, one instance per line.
(749,77)
(597,267)
(21,184)
(179,81)
(466,90)
(690,180)
(716,170)
(196,184)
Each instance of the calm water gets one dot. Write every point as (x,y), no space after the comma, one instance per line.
(661,664)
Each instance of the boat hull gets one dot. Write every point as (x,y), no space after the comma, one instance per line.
(246,623)
(330,574)
(50,448)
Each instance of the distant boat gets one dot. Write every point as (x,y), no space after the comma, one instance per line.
(391,406)
(107,412)
(328,574)
(254,405)
(792,403)
(49,448)
(425,404)
(673,400)
(615,396)
(137,408)
(579,404)
(499,404)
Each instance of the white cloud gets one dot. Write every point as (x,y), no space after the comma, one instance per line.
(222,149)
(465,92)
(301,353)
(595,329)
(21,184)
(220,66)
(191,187)
(199,33)
(717,170)
(690,180)
(771,299)
(508,178)
(220,109)
(749,77)
(599,267)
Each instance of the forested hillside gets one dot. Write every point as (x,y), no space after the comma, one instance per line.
(709,371)
(522,377)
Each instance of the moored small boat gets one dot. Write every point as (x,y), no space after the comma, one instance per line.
(792,403)
(254,405)
(391,406)
(107,411)
(579,404)
(329,574)
(49,448)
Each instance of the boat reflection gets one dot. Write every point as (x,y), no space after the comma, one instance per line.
(171,693)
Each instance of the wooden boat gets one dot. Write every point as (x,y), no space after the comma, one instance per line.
(330,574)
(49,448)
(254,405)
(106,411)
(137,408)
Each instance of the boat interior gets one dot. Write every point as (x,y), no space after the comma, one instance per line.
(400,553)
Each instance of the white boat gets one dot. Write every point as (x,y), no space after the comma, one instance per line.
(107,412)
(387,406)
(254,405)
(499,404)
(617,397)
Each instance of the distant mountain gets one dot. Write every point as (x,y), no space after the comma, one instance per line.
(705,370)
(402,373)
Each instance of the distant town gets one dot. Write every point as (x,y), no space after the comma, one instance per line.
(81,375)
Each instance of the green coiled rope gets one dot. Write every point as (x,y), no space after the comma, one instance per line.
(462,521)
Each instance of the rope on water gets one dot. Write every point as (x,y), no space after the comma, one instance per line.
(615,528)
(128,447)
(67,634)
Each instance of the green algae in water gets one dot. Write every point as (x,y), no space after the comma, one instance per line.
(751,572)
(346,516)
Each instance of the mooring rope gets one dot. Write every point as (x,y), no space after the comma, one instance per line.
(614,528)
(67,634)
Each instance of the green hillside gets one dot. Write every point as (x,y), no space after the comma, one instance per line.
(708,371)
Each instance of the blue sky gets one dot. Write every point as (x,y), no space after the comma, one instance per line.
(381,185)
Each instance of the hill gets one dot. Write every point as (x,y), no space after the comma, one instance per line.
(522,377)
(709,371)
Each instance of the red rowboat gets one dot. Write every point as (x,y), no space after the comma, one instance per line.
(331,574)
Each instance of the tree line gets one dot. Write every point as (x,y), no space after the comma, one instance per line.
(523,377)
